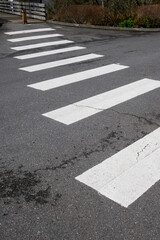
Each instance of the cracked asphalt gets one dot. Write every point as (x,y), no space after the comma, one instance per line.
(40,158)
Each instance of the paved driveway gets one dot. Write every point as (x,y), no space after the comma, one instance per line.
(80,137)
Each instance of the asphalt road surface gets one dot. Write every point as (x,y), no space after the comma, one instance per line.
(80,136)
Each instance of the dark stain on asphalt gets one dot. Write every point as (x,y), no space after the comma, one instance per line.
(157,116)
(56,198)
(18,184)
(112,142)
(107,142)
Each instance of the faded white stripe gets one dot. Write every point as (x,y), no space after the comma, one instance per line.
(50,52)
(76,77)
(88,107)
(34,37)
(30,31)
(40,45)
(125,176)
(67,61)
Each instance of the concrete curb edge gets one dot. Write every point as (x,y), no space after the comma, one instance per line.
(104,27)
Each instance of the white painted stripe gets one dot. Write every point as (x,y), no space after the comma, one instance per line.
(34,37)
(40,45)
(125,176)
(30,31)
(88,107)
(76,77)
(50,52)
(63,62)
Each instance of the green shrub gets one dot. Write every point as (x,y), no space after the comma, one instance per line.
(143,22)
(127,23)
(146,22)
(122,13)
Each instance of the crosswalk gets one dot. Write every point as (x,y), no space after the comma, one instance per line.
(44,66)
(50,52)
(88,107)
(41,45)
(127,175)
(34,37)
(30,31)
(76,77)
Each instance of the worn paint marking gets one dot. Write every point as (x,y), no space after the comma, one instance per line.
(127,175)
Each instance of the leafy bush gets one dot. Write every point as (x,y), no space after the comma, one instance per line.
(143,22)
(125,7)
(122,7)
(82,14)
(122,13)
(127,23)
(146,22)
(141,17)
(58,4)
(151,11)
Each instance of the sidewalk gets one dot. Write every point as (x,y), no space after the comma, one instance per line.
(5,17)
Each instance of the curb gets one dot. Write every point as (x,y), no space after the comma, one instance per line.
(104,27)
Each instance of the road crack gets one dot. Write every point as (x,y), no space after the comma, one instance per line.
(82,106)
(142,150)
(138,117)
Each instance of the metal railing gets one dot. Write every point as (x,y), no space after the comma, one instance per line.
(34,10)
